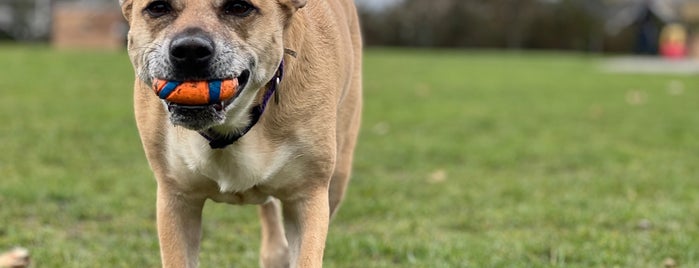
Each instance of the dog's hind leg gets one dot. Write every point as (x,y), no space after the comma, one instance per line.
(338,185)
(349,119)
(274,252)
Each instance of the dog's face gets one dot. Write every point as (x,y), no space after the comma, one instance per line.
(193,40)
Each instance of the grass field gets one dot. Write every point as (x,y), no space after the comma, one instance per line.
(466,159)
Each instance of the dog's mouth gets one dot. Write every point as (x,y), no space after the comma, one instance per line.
(190,109)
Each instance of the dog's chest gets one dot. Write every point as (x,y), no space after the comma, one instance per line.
(236,169)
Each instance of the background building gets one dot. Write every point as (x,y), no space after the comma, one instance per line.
(66,24)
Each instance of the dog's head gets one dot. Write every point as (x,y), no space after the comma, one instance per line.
(194,40)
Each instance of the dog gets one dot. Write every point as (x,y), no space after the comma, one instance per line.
(285,141)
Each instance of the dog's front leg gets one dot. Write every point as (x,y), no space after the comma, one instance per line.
(306,225)
(179,227)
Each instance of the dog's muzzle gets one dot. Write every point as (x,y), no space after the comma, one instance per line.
(193,94)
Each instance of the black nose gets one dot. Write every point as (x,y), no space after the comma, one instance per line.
(191,51)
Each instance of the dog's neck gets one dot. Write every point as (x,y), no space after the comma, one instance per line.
(219,140)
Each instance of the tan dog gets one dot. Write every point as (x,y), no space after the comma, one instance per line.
(300,150)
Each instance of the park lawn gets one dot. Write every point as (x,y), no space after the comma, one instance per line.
(466,159)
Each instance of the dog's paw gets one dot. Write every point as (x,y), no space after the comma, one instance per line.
(16,258)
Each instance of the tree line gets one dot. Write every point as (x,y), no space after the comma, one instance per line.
(515,24)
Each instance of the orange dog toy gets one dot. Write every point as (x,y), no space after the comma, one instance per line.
(196,92)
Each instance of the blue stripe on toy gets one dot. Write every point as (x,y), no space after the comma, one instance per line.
(214,91)
(168,89)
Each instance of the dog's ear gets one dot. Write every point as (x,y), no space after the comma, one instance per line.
(126,6)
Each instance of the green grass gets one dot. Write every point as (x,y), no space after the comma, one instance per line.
(466,159)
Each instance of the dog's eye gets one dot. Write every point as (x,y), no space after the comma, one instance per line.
(158,8)
(237,8)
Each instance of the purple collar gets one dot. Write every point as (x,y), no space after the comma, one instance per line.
(220,141)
